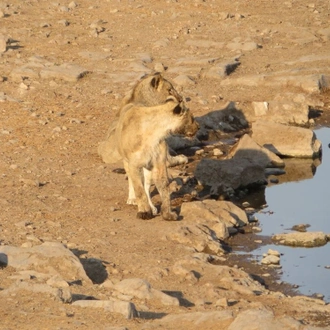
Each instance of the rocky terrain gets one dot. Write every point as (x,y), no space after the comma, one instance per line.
(72,253)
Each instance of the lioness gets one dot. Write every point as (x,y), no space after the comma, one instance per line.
(151,90)
(144,155)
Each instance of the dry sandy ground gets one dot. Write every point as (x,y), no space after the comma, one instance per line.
(53,184)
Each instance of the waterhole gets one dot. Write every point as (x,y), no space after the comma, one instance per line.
(301,196)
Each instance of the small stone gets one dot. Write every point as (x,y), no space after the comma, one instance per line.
(63,22)
(23,86)
(106,91)
(64,9)
(253,218)
(273,253)
(270,260)
(3,43)
(72,5)
(217,152)
(222,302)
(57,129)
(200,302)
(159,67)
(57,282)
(75,121)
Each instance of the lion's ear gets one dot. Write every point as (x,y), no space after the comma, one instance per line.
(155,81)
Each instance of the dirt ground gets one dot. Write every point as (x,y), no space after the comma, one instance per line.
(53,184)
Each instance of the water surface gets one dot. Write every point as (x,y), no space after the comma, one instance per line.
(301,197)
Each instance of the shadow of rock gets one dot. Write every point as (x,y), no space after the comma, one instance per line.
(3,260)
(229,174)
(179,295)
(76,297)
(228,119)
(95,270)
(151,315)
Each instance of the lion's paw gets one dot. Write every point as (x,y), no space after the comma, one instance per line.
(170,216)
(131,201)
(144,215)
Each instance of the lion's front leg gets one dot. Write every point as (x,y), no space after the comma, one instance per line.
(162,183)
(137,179)
(147,183)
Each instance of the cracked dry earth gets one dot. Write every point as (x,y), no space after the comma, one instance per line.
(54,186)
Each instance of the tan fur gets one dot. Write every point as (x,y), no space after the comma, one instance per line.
(151,90)
(145,155)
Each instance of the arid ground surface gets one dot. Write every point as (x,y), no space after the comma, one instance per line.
(53,184)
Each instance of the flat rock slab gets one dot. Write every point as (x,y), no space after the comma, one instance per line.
(310,83)
(192,321)
(67,72)
(286,140)
(307,239)
(49,258)
(257,319)
(113,306)
(247,148)
(228,174)
(217,215)
(283,112)
(142,289)
(197,236)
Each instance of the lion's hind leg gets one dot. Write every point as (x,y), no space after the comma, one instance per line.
(131,200)
(160,177)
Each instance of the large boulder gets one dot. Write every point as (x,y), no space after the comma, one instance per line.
(288,141)
(229,174)
(217,215)
(142,289)
(50,258)
(198,236)
(284,112)
(247,148)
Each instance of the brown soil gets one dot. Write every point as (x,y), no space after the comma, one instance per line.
(53,184)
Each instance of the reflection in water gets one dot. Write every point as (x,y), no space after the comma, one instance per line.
(299,169)
(301,197)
